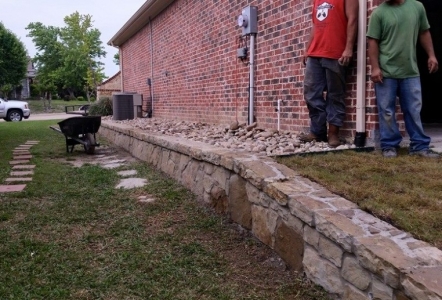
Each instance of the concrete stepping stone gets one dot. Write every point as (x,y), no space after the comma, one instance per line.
(15,153)
(32,142)
(21,167)
(130,183)
(22,157)
(14,179)
(127,173)
(111,166)
(146,199)
(18,162)
(12,188)
(23,147)
(115,161)
(110,157)
(22,173)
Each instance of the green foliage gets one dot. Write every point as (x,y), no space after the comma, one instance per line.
(13,58)
(80,98)
(68,58)
(5,89)
(103,107)
(117,59)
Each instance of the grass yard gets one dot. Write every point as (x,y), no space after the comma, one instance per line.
(71,235)
(57,106)
(405,191)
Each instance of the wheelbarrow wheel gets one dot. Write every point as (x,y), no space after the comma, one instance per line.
(89,145)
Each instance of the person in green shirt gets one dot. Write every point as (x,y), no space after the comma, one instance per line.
(394,28)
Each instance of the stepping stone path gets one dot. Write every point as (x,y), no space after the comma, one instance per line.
(21,167)
(109,158)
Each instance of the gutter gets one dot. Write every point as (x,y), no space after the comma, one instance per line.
(149,10)
(361,82)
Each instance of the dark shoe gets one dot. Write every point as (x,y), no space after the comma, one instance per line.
(333,136)
(389,153)
(310,137)
(425,153)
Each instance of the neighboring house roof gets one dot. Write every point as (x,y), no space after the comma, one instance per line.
(149,10)
(112,83)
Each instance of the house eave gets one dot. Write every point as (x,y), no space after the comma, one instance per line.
(149,10)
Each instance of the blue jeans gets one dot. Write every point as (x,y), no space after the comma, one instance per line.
(410,99)
(324,74)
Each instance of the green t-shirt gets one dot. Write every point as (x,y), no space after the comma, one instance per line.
(397,29)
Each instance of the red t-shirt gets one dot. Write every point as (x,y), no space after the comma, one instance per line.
(330,34)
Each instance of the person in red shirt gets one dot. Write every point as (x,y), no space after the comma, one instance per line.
(329,51)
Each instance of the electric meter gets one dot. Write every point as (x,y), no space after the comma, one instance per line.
(243,21)
(248,20)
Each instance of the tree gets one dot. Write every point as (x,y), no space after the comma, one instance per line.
(13,59)
(117,59)
(69,56)
(49,59)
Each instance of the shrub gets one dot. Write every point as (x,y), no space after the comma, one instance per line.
(103,107)
(66,98)
(92,99)
(80,98)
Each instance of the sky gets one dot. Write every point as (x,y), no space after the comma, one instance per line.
(108,16)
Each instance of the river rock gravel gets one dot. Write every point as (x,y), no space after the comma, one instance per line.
(235,136)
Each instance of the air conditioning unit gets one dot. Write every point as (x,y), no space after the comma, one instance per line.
(126,105)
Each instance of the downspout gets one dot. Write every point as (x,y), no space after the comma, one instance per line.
(251,78)
(121,69)
(151,68)
(361,134)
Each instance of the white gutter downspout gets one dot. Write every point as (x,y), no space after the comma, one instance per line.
(360,135)
(121,68)
(151,68)
(252,79)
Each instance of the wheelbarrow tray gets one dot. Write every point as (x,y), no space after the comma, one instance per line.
(80,130)
(75,126)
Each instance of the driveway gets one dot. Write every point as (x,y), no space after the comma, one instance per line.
(50,116)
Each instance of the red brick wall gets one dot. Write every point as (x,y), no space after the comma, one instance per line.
(197,77)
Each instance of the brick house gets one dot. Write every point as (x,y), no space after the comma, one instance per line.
(109,86)
(184,54)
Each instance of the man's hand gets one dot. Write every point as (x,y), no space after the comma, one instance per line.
(433,65)
(304,58)
(345,58)
(376,75)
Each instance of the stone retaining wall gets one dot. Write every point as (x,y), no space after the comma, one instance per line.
(352,254)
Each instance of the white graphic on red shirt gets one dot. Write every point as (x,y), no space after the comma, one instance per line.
(322,11)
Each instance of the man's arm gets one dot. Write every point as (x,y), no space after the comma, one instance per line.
(427,43)
(307,45)
(373,54)
(351,12)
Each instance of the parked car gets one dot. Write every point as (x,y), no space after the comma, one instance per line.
(14,110)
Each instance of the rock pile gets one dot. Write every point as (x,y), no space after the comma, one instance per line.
(236,136)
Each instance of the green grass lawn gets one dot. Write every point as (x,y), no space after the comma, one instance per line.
(405,191)
(57,106)
(71,235)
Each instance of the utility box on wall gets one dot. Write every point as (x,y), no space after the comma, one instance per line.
(248,20)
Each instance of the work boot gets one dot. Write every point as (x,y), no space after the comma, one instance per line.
(333,136)
(310,137)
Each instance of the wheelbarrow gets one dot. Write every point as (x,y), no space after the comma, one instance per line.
(80,130)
